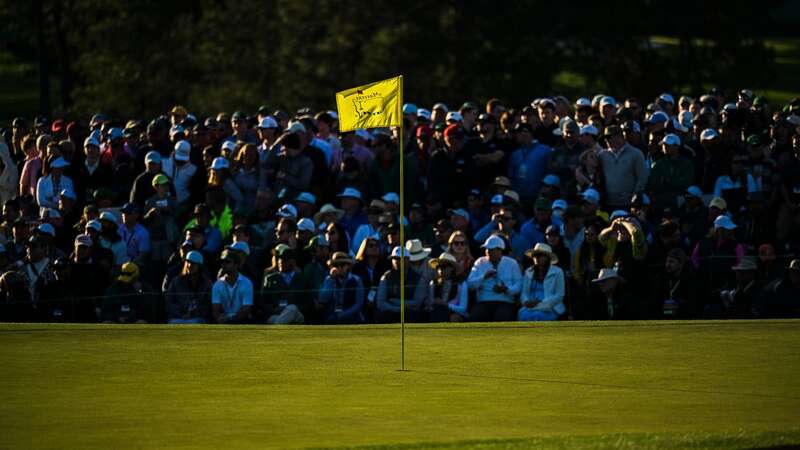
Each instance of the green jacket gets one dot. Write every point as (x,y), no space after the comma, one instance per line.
(669,178)
(276,293)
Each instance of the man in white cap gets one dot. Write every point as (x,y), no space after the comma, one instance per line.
(48,187)
(496,280)
(143,185)
(620,303)
(670,175)
(388,295)
(232,293)
(714,256)
(178,168)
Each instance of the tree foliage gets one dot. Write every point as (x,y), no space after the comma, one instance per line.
(138,57)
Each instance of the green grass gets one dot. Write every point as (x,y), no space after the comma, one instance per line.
(563,385)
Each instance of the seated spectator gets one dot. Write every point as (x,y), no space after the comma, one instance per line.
(784,301)
(675,289)
(232,293)
(341,296)
(458,246)
(620,302)
(542,293)
(388,297)
(449,295)
(497,280)
(283,298)
(188,296)
(128,300)
(370,266)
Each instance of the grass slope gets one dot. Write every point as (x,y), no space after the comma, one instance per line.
(564,385)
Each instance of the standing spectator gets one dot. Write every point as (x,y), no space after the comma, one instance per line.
(543,287)
(735,184)
(294,169)
(143,187)
(623,168)
(528,164)
(93,174)
(48,187)
(179,170)
(9,178)
(589,174)
(134,234)
(188,296)
(671,175)
(497,280)
(232,293)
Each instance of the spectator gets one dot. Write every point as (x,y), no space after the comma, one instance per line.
(449,295)
(496,280)
(128,300)
(671,175)
(527,164)
(232,293)
(543,287)
(675,288)
(388,304)
(623,168)
(619,300)
(134,234)
(370,266)
(48,187)
(188,296)
(283,298)
(341,296)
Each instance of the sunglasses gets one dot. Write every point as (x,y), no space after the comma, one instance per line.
(459,243)
(228,261)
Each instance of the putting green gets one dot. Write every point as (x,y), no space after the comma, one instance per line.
(561,385)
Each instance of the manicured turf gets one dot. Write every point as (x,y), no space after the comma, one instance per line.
(564,385)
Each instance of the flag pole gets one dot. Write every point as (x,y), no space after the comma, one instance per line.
(402,240)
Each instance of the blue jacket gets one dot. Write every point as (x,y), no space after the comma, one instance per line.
(343,299)
(527,167)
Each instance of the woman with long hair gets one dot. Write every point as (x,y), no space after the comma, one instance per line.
(542,294)
(337,238)
(458,246)
(246,174)
(449,297)
(589,173)
(370,265)
(220,177)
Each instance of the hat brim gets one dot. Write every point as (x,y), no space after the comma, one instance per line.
(553,257)
(332,262)
(419,256)
(338,212)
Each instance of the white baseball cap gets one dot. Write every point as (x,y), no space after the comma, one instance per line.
(182,151)
(493,242)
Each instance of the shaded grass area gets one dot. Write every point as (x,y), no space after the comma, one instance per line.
(642,441)
(82,386)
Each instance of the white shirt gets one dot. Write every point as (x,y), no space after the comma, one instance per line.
(232,297)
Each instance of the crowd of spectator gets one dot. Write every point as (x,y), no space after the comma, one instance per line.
(592,209)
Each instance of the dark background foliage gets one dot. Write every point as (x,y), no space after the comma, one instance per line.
(138,57)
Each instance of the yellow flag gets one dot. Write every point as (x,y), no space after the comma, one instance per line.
(373,105)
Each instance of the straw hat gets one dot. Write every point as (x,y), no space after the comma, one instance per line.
(444,258)
(340,258)
(607,274)
(416,252)
(542,249)
(328,209)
